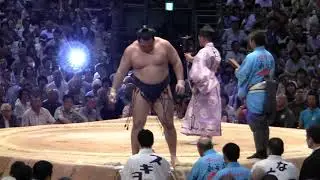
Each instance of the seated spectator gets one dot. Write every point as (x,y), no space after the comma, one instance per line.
(298,105)
(87,81)
(89,110)
(29,76)
(100,71)
(209,163)
(58,83)
(228,113)
(26,173)
(48,31)
(309,169)
(249,21)
(295,62)
(41,88)
(126,98)
(241,114)
(313,42)
(96,85)
(233,34)
(235,53)
(282,83)
(311,115)
(76,89)
(19,171)
(231,154)
(314,20)
(15,171)
(36,115)
(302,79)
(284,116)
(275,164)
(291,89)
(314,85)
(52,103)
(42,170)
(22,103)
(146,164)
(300,19)
(66,114)
(7,119)
(102,94)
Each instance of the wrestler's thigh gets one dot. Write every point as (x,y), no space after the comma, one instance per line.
(164,108)
(140,109)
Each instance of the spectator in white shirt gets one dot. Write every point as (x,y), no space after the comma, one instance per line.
(146,164)
(100,71)
(7,119)
(48,31)
(275,164)
(37,115)
(22,104)
(233,34)
(58,83)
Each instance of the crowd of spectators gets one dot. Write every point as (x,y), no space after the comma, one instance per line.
(293,38)
(41,170)
(34,89)
(30,69)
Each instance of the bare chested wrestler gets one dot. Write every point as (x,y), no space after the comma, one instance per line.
(149,58)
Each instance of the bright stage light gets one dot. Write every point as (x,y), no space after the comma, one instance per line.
(77,58)
(74,56)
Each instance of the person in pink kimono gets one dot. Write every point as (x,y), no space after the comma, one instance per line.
(203,116)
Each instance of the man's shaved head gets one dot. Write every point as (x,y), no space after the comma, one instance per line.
(204,144)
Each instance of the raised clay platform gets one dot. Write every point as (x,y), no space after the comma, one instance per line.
(95,151)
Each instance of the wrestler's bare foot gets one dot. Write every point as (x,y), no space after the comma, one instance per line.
(174,161)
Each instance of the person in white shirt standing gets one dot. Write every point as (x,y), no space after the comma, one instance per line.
(146,164)
(275,164)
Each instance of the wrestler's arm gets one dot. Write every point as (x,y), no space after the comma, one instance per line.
(124,67)
(175,61)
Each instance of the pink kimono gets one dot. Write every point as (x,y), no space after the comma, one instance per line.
(203,116)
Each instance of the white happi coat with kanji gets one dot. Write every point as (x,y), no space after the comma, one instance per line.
(278,167)
(146,165)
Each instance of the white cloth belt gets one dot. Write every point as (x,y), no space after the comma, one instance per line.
(259,86)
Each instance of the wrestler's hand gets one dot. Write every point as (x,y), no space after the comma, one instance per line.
(112,96)
(180,87)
